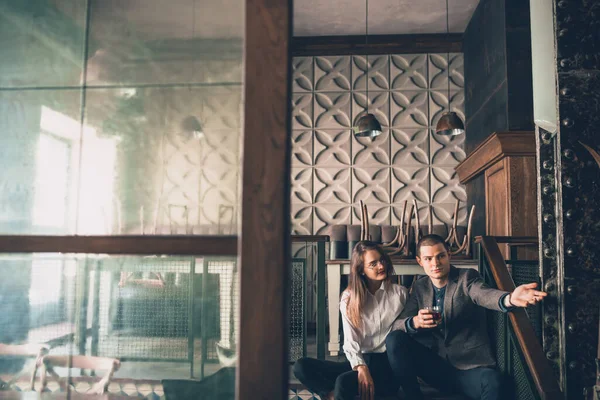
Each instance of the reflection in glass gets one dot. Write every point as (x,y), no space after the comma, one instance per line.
(42,43)
(171,176)
(125,120)
(165,318)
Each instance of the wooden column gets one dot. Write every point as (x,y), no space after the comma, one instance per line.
(264,248)
(507,162)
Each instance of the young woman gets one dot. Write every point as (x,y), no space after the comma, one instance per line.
(369,307)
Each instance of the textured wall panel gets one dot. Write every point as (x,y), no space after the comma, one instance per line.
(408,93)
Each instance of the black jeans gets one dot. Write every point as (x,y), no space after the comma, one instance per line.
(409,359)
(321,376)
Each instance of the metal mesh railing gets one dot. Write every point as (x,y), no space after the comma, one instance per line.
(509,356)
(526,272)
(297,325)
(497,323)
(143,308)
(523,387)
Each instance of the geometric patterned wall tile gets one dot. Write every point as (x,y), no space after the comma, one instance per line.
(446,150)
(444,213)
(332,74)
(332,185)
(302,114)
(409,109)
(220,108)
(303,74)
(332,148)
(408,71)
(302,219)
(371,185)
(409,183)
(326,215)
(379,105)
(438,72)
(369,152)
(332,110)
(302,185)
(379,214)
(407,92)
(398,208)
(457,67)
(438,104)
(445,187)
(379,73)
(457,102)
(302,148)
(410,147)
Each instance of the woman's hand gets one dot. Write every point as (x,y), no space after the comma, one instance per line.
(424,320)
(366,388)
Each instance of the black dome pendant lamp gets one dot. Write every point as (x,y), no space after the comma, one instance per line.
(450,123)
(367,125)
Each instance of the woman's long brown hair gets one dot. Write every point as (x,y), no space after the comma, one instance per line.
(357,281)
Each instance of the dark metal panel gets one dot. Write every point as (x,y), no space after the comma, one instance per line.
(484,50)
(569,200)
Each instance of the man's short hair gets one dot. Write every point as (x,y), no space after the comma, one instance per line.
(431,240)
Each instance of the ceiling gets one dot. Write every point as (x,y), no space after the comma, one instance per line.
(347,17)
(208,19)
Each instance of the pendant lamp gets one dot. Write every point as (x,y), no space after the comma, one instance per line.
(367,125)
(450,123)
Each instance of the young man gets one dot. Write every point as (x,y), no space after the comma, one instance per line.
(452,354)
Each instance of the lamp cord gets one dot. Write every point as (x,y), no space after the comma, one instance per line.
(448,53)
(367,50)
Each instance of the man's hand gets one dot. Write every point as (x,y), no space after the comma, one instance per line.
(366,388)
(424,320)
(526,295)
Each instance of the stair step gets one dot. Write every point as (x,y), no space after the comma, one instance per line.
(297,391)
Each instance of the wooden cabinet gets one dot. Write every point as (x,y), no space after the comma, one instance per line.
(508,165)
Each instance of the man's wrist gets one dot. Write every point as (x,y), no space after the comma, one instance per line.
(508,300)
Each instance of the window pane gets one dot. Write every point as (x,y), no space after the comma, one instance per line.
(142,136)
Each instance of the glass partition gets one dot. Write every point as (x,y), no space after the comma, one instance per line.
(166,319)
(120,118)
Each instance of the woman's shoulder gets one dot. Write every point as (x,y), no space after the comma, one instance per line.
(345,298)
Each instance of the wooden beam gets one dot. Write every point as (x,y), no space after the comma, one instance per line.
(124,244)
(310,238)
(377,44)
(265,250)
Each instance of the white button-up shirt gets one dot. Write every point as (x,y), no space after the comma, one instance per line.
(378,315)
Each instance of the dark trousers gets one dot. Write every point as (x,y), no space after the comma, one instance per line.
(322,377)
(409,359)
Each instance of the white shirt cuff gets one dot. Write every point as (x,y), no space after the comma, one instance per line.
(355,360)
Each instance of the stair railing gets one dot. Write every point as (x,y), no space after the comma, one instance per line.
(518,349)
